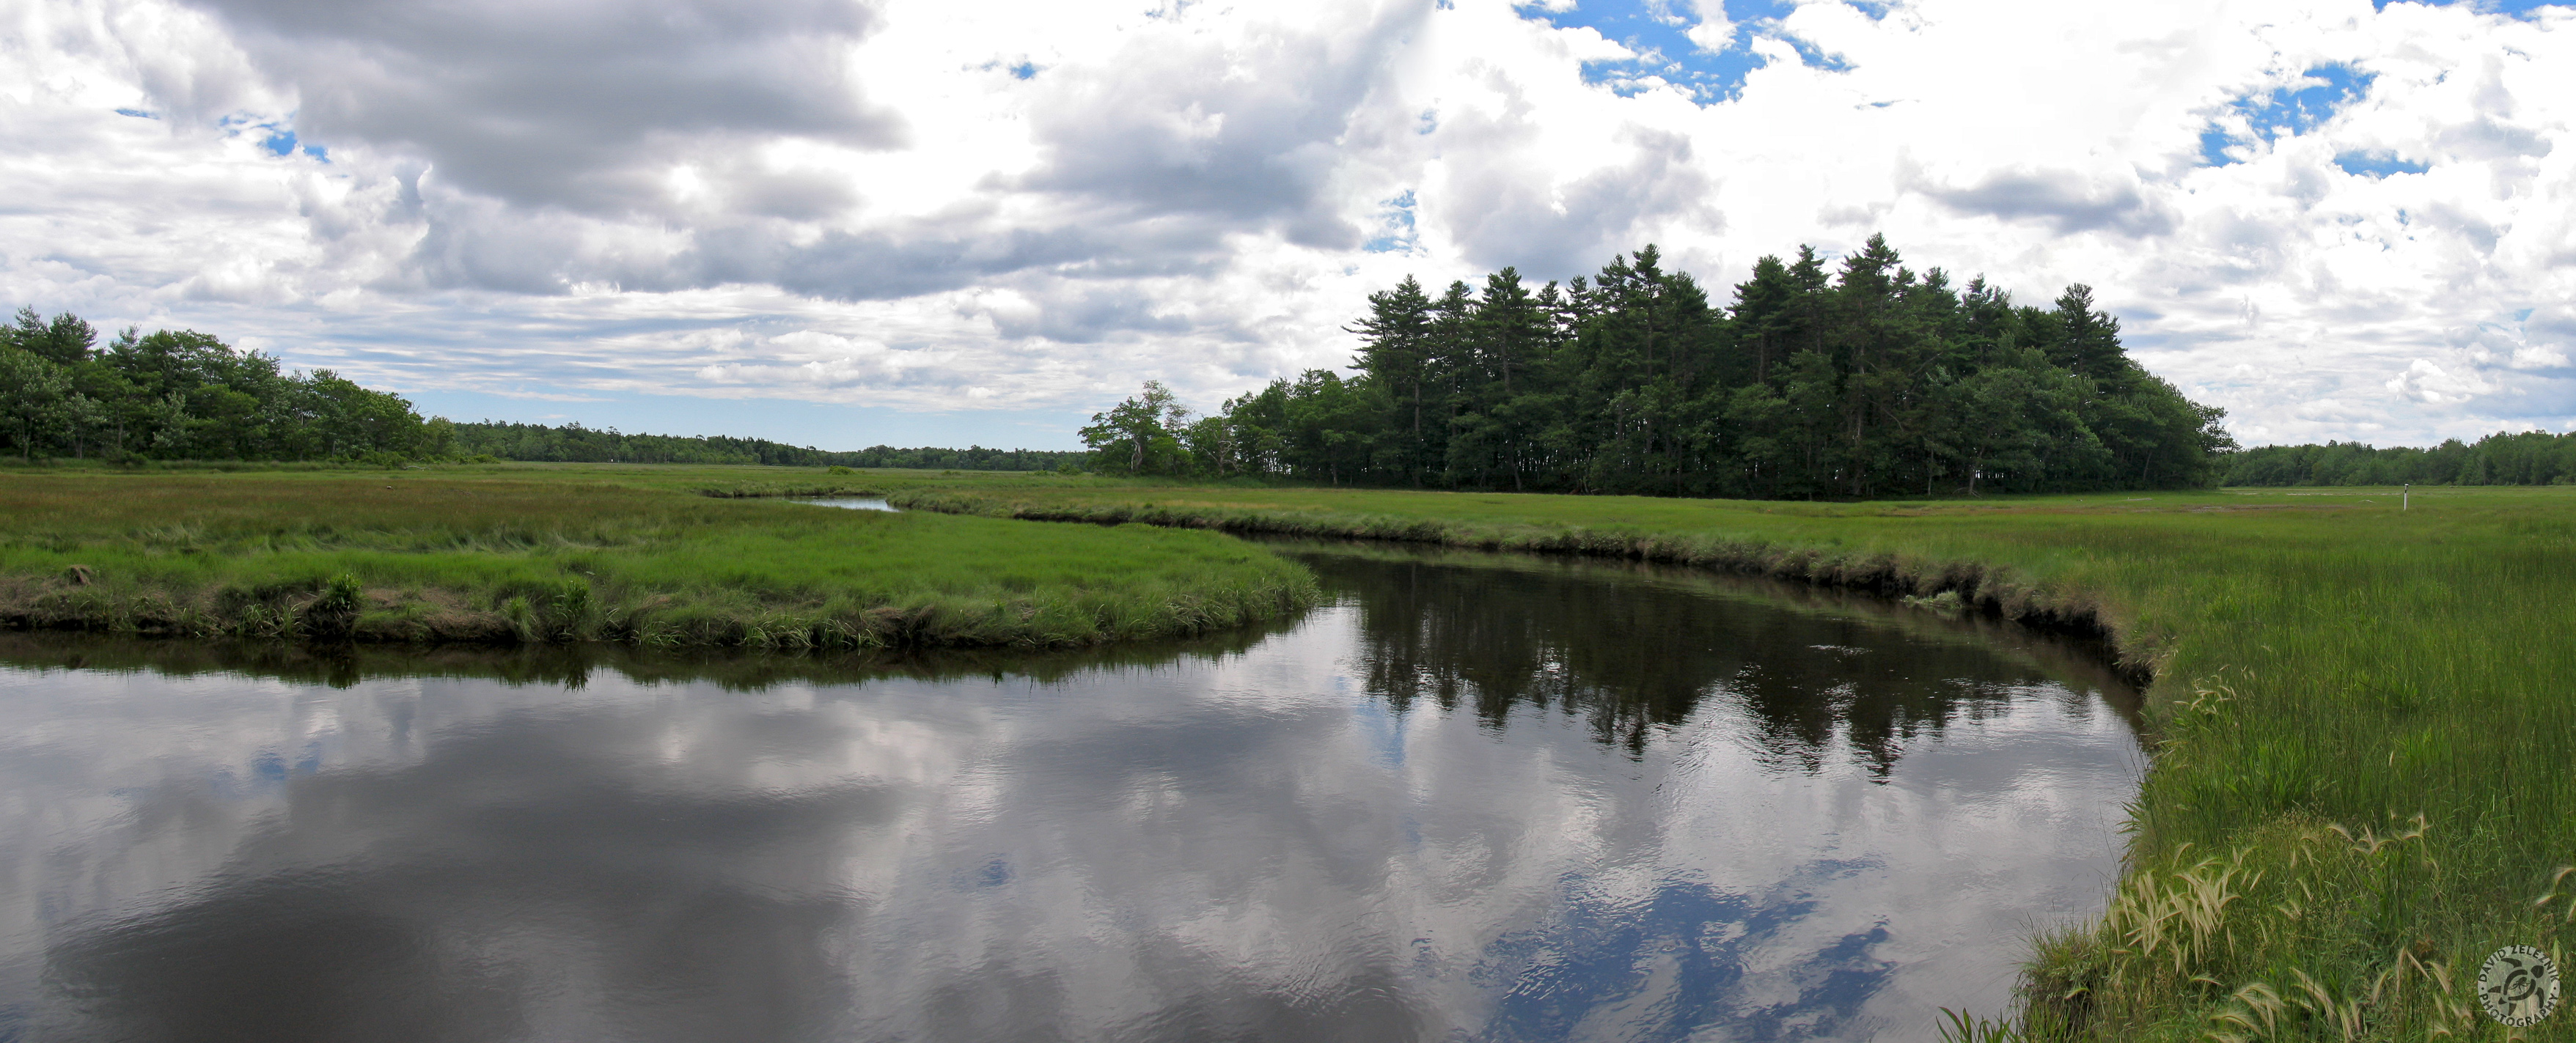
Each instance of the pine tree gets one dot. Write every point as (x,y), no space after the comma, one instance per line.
(1865,380)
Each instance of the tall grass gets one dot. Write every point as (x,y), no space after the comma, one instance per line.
(568,555)
(2363,719)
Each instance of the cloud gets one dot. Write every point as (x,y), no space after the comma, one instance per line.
(2506,345)
(2066,201)
(1077,314)
(1713,31)
(1045,204)
(1248,129)
(2427,381)
(581,104)
(1498,219)
(828,361)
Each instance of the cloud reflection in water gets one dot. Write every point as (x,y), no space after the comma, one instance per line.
(1529,802)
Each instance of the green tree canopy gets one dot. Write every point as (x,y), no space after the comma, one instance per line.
(1141,435)
(181,394)
(1857,378)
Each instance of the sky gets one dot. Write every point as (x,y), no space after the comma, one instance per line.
(844,223)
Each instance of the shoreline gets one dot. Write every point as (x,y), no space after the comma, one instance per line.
(2354,749)
(1988,590)
(392,617)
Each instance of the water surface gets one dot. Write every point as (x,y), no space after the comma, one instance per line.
(862,503)
(1475,798)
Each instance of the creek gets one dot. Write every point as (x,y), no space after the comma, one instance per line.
(1472,797)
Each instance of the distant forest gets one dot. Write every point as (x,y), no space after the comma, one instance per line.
(1860,379)
(185,395)
(573,443)
(2529,458)
(1872,379)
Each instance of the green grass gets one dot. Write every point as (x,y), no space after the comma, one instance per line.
(2363,719)
(547,554)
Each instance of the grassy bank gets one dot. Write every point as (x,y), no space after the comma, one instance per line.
(551,554)
(2365,743)
(573,664)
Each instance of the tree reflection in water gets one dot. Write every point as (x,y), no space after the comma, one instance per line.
(1630,657)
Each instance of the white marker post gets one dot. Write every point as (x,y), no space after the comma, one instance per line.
(2406,497)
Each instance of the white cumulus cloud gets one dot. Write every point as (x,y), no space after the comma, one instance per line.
(2337,221)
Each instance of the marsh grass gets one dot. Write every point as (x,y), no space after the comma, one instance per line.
(574,664)
(514,555)
(2363,720)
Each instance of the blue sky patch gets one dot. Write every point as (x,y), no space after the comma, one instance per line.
(1657,31)
(2516,8)
(281,142)
(277,137)
(2377,164)
(2323,91)
(137,114)
(2213,148)
(2319,93)
(1396,222)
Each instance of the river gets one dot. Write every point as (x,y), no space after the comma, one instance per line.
(1474,797)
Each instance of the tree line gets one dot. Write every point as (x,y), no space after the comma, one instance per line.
(181,394)
(2503,458)
(1858,379)
(1870,380)
(185,395)
(573,443)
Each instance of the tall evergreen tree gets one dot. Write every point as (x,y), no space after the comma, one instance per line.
(1862,378)
(1396,349)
